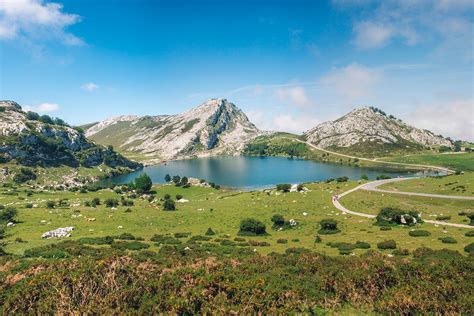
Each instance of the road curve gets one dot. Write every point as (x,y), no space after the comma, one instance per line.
(372,186)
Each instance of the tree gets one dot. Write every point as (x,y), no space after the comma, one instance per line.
(252,227)
(176,179)
(210,232)
(111,203)
(23,175)
(167,178)
(169,205)
(364,177)
(471,217)
(46,119)
(328,227)
(142,183)
(184,181)
(32,116)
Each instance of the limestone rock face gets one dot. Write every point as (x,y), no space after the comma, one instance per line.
(33,142)
(369,124)
(214,127)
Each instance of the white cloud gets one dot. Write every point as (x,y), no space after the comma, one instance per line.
(454,119)
(372,35)
(381,22)
(296,95)
(35,20)
(353,81)
(90,86)
(42,108)
(293,124)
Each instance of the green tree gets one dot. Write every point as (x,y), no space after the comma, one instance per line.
(278,220)
(8,214)
(142,183)
(167,178)
(328,227)
(251,226)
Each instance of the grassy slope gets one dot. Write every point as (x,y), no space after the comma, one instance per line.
(453,185)
(223,211)
(460,161)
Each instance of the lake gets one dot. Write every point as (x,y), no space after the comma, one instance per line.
(247,173)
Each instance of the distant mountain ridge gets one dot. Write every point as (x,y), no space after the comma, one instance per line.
(369,127)
(214,127)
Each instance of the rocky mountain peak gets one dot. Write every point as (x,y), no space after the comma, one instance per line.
(10,104)
(372,125)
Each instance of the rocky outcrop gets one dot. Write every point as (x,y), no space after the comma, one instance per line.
(215,127)
(31,141)
(372,126)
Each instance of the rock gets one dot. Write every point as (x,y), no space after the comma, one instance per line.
(58,232)
(9,224)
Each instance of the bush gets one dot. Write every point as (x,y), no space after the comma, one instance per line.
(134,245)
(252,227)
(8,214)
(95,201)
(364,177)
(384,228)
(328,227)
(282,241)
(388,244)
(401,252)
(278,220)
(227,242)
(50,204)
(167,197)
(107,240)
(448,240)
(383,177)
(443,217)
(181,235)
(111,203)
(126,236)
(210,232)
(318,239)
(469,248)
(471,217)
(169,205)
(23,175)
(469,233)
(167,178)
(419,233)
(342,179)
(395,216)
(284,187)
(178,197)
(362,245)
(166,240)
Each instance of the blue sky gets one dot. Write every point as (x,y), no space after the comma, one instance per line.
(288,64)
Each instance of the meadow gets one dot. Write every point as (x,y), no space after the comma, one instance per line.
(222,211)
(456,161)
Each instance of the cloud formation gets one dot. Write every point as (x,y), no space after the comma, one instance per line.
(90,86)
(35,20)
(353,81)
(409,21)
(454,119)
(293,124)
(296,95)
(42,108)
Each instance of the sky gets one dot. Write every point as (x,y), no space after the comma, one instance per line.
(289,65)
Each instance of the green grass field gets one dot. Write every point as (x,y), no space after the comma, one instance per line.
(457,161)
(223,210)
(462,185)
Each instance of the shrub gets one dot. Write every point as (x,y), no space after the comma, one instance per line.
(23,175)
(385,228)
(364,177)
(8,214)
(419,233)
(388,244)
(167,240)
(318,239)
(239,239)
(199,238)
(469,233)
(95,201)
(395,216)
(362,245)
(282,241)
(278,220)
(469,248)
(252,227)
(167,197)
(126,236)
(328,227)
(50,204)
(134,245)
(227,242)
(29,205)
(342,179)
(401,252)
(284,187)
(181,235)
(210,232)
(448,240)
(471,217)
(257,243)
(107,240)
(169,205)
(111,203)
(383,177)
(178,197)
(443,217)
(167,178)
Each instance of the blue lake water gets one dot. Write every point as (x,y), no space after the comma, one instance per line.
(243,172)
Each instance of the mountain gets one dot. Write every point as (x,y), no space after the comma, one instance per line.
(371,131)
(214,127)
(28,139)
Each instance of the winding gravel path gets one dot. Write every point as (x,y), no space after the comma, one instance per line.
(372,186)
